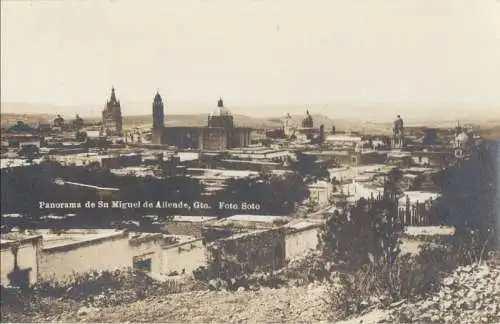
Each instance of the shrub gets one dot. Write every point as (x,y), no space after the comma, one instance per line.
(472,244)
(364,233)
(415,276)
(364,240)
(348,294)
(80,285)
(100,289)
(408,277)
(308,269)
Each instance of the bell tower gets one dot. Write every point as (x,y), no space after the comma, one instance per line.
(112,115)
(158,119)
(398,134)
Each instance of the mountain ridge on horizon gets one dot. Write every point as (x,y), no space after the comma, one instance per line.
(200,119)
(373,112)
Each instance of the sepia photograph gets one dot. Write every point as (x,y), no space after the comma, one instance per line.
(250,161)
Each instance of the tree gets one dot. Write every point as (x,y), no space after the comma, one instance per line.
(275,194)
(308,167)
(469,201)
(365,232)
(29,151)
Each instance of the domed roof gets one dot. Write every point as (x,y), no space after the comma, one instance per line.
(59,118)
(308,120)
(220,110)
(462,137)
(308,117)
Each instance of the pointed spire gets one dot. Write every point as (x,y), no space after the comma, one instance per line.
(158,96)
(113,96)
(220,103)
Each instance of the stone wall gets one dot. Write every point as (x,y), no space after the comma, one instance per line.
(184,228)
(262,250)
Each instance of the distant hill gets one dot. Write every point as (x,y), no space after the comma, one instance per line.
(9,119)
(369,119)
(374,112)
(491,133)
(261,123)
(239,120)
(201,120)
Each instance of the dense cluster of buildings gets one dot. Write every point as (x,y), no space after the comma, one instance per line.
(356,167)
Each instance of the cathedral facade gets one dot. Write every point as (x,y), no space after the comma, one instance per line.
(220,133)
(112,122)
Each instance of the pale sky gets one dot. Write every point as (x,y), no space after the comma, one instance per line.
(251,52)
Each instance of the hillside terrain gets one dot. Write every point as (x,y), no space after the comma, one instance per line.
(471,294)
(492,133)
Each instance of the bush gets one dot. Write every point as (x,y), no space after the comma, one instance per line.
(308,269)
(364,241)
(367,232)
(348,294)
(80,285)
(408,277)
(415,276)
(472,245)
(100,289)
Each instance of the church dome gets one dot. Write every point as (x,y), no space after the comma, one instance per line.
(220,110)
(308,122)
(462,138)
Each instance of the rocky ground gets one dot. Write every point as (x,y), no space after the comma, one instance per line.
(471,294)
(296,304)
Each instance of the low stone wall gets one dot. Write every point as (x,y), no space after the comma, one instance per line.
(184,228)
(262,250)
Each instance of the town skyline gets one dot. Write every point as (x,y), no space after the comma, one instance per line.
(376,112)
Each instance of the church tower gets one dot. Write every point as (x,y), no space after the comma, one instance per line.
(398,134)
(112,115)
(287,125)
(158,112)
(158,119)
